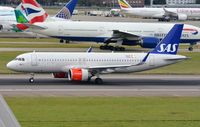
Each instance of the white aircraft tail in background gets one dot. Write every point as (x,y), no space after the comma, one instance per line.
(162,14)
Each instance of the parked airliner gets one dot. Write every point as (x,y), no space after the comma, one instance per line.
(84,66)
(147,35)
(162,14)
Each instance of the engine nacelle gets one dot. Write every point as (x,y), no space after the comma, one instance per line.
(78,74)
(60,75)
(182,17)
(149,42)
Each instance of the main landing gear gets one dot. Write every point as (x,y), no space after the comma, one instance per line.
(31,79)
(64,41)
(98,80)
(191,46)
(110,47)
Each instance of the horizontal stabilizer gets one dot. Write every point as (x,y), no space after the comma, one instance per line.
(36,27)
(177,59)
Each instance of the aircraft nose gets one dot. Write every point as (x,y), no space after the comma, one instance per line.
(10,65)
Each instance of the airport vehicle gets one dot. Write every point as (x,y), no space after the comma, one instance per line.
(162,14)
(84,66)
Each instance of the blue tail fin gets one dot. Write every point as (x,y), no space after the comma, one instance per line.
(170,44)
(67,11)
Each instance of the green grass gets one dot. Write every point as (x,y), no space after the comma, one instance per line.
(106,111)
(43,45)
(190,66)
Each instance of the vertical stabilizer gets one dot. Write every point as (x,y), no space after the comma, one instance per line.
(170,44)
(67,11)
(124,4)
(34,11)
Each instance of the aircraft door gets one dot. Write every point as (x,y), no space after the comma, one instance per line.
(60,32)
(34,59)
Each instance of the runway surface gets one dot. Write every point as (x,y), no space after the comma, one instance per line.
(114,85)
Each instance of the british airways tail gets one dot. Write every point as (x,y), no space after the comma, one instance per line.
(124,4)
(35,13)
(170,44)
(67,11)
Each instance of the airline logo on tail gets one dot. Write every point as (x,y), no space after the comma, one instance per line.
(170,44)
(168,48)
(67,11)
(193,31)
(64,14)
(123,4)
(34,11)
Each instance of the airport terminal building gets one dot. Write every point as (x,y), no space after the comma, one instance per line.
(180,1)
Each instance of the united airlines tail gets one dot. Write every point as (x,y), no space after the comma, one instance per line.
(67,11)
(34,11)
(124,4)
(170,44)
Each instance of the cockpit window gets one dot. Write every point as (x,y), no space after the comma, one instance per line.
(19,59)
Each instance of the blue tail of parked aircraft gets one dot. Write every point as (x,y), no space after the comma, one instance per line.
(170,44)
(67,11)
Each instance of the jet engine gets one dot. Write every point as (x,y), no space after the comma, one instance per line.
(149,42)
(60,75)
(182,17)
(78,74)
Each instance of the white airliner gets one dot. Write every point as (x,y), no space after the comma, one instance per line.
(84,66)
(7,18)
(163,14)
(147,35)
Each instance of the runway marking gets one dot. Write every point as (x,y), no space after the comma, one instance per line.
(99,90)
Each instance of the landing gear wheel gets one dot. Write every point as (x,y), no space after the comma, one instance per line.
(98,81)
(102,47)
(190,48)
(31,80)
(119,49)
(61,41)
(67,42)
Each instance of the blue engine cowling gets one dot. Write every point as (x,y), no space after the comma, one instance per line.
(149,42)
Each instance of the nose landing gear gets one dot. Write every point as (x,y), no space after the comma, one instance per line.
(31,79)
(191,48)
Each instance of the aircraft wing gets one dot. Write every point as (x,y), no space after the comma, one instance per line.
(169,13)
(118,34)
